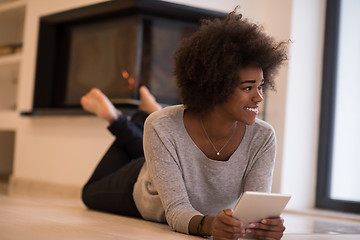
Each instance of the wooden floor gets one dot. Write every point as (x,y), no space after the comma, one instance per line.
(30,218)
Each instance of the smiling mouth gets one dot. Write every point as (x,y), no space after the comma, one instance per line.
(252,109)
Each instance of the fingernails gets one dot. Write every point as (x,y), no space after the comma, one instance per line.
(252,225)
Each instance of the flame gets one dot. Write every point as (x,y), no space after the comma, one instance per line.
(130,80)
(125,74)
(131,83)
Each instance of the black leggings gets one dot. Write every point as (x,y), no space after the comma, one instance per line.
(110,187)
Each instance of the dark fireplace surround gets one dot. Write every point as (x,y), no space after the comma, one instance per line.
(116,46)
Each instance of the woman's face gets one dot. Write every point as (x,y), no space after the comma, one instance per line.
(243,104)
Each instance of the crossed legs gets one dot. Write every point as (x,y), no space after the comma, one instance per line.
(111,184)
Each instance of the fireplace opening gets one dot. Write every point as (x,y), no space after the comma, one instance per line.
(115,46)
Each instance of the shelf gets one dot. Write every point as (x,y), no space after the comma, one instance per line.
(7,146)
(10,59)
(14,6)
(9,74)
(9,119)
(12,12)
(12,16)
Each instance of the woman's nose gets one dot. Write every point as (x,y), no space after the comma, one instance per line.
(258,97)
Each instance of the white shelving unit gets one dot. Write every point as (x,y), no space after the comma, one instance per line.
(12,16)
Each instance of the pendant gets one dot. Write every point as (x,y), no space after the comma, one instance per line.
(218,153)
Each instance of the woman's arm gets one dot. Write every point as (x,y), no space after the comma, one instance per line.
(259,178)
(222,226)
(166,174)
(259,174)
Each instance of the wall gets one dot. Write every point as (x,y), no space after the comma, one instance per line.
(60,150)
(303,102)
(64,150)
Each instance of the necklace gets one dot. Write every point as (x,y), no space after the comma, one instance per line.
(218,152)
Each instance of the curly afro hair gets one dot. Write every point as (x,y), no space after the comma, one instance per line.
(207,64)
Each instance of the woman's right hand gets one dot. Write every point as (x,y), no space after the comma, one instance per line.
(225,227)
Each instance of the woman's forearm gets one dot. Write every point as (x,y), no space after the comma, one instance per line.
(201,225)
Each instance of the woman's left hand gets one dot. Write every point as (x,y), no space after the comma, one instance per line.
(269,229)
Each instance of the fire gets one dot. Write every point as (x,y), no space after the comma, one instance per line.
(131,83)
(130,80)
(125,74)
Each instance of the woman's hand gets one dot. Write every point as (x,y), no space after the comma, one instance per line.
(268,229)
(225,227)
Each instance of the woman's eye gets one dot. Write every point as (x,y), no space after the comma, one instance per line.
(247,88)
(261,86)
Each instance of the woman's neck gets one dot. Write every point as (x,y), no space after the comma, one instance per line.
(216,136)
(218,126)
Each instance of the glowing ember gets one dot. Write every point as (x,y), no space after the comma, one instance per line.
(125,74)
(131,83)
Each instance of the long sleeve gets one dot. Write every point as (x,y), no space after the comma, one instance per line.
(259,174)
(178,181)
(166,173)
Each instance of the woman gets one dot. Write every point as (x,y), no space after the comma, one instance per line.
(202,155)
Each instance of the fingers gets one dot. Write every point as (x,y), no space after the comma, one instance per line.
(267,229)
(273,221)
(276,224)
(263,234)
(227,227)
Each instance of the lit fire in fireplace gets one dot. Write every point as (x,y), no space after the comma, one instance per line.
(130,80)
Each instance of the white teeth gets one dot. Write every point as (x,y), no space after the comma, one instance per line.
(255,110)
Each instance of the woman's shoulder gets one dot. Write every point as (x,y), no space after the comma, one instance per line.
(260,134)
(166,115)
(263,128)
(262,124)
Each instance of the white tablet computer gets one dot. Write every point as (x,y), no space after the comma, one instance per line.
(255,206)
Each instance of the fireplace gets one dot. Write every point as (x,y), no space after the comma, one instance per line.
(115,46)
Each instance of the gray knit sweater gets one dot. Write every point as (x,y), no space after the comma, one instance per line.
(178,181)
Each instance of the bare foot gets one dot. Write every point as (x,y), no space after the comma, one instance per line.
(97,103)
(148,102)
